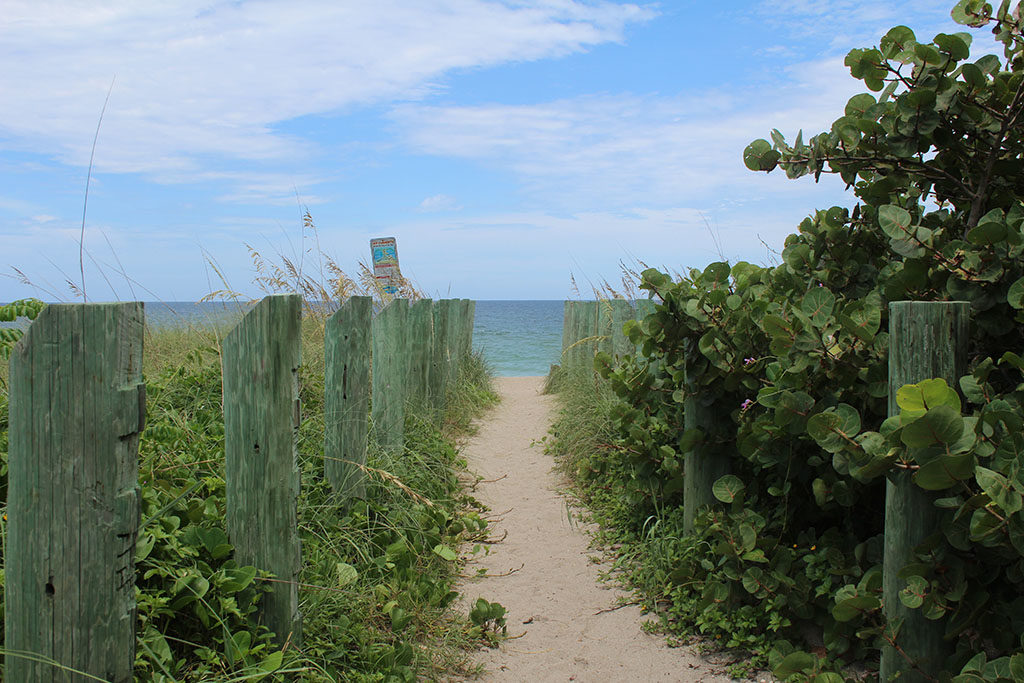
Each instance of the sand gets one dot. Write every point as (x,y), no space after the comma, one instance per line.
(562,620)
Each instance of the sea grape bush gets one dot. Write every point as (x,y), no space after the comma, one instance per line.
(22,308)
(792,362)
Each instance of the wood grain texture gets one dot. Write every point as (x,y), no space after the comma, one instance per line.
(261,418)
(439,372)
(456,316)
(347,396)
(77,406)
(390,374)
(621,312)
(421,355)
(926,340)
(702,466)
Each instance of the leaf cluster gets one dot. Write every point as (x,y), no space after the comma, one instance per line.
(791,362)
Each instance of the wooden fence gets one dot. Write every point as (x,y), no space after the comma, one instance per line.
(926,340)
(77,409)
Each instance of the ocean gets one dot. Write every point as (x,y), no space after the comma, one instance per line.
(517,338)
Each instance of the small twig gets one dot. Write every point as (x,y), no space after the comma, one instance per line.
(493,540)
(617,607)
(302,585)
(488,575)
(186,464)
(491,481)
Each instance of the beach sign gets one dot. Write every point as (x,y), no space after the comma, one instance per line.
(385,263)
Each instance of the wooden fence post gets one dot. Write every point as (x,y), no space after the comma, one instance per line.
(621,312)
(439,371)
(456,326)
(261,418)
(347,396)
(592,311)
(77,406)
(604,328)
(926,340)
(390,370)
(420,331)
(702,466)
(469,323)
(567,335)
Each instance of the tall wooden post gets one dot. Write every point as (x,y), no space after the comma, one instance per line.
(420,330)
(702,467)
(469,311)
(621,312)
(926,340)
(567,332)
(261,420)
(591,329)
(347,395)
(390,374)
(456,316)
(439,370)
(605,329)
(77,406)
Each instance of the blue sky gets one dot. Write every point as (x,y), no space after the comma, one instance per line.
(507,145)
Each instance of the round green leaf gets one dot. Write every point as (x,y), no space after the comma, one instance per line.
(727,488)
(894,221)
(759,156)
(942,425)
(818,304)
(1015,295)
(717,272)
(954,45)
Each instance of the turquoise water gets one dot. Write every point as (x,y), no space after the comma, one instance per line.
(518,338)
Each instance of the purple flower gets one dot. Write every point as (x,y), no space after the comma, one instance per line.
(748,361)
(745,406)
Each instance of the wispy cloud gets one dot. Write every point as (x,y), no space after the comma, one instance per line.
(196,79)
(614,151)
(439,202)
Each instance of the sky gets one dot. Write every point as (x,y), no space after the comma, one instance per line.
(515,149)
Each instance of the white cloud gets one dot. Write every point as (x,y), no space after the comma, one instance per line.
(613,151)
(439,202)
(197,79)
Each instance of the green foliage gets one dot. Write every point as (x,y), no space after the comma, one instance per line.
(792,360)
(377,582)
(22,308)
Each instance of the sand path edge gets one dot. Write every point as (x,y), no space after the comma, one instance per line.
(558,612)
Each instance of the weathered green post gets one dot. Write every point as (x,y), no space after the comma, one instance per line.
(456,314)
(621,312)
(439,371)
(580,332)
(702,466)
(261,419)
(590,331)
(926,340)
(77,406)
(390,374)
(469,311)
(420,330)
(567,334)
(605,329)
(347,396)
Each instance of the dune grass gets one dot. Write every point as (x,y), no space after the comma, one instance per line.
(377,582)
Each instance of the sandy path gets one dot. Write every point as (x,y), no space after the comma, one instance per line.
(555,598)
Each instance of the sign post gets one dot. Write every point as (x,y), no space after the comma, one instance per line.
(385,264)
